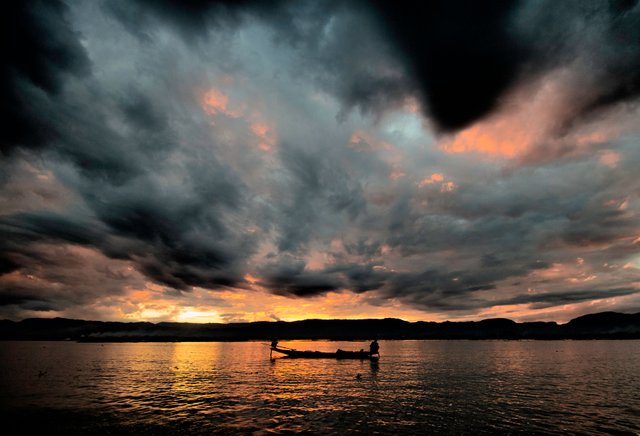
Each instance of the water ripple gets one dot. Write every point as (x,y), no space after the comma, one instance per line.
(462,387)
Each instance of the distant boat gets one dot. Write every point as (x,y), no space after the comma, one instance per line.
(339,354)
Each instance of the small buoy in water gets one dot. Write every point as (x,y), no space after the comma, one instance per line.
(42,373)
(358,376)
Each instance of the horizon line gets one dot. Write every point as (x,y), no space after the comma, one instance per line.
(313,319)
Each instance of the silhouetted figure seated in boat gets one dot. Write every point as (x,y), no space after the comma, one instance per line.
(374,348)
(274,343)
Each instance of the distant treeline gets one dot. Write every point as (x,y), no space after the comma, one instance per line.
(605,325)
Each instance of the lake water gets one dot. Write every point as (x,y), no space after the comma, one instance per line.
(460,387)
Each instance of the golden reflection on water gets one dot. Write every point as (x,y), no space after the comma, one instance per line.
(417,386)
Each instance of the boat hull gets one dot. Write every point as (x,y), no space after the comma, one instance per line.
(340,354)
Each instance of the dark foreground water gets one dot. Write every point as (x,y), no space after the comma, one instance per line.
(460,387)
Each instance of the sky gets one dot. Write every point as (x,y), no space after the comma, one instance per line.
(247,160)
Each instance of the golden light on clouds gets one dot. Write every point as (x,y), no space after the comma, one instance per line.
(531,125)
(215,102)
(197,315)
(437,179)
(250,278)
(497,138)
(433,178)
(265,133)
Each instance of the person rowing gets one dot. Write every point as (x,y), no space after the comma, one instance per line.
(374,348)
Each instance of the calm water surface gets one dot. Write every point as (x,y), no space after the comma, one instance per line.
(459,387)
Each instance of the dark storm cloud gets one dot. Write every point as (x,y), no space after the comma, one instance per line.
(175,238)
(512,230)
(291,278)
(317,187)
(437,289)
(139,175)
(621,74)
(139,110)
(27,298)
(445,300)
(167,244)
(21,231)
(7,265)
(462,53)
(116,140)
(178,241)
(460,57)
(40,50)
(505,229)
(550,299)
(16,297)
(361,277)
(347,54)
(354,62)
(193,19)
(58,277)
(600,38)
(29,227)
(190,18)
(465,55)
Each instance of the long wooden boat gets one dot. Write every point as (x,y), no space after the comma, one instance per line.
(339,354)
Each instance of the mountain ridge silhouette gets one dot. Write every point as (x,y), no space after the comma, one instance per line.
(602,325)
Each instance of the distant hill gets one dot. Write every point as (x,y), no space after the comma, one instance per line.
(605,325)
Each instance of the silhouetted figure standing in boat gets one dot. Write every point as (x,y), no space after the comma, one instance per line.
(374,348)
(274,343)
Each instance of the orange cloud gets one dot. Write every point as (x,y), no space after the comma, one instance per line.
(251,279)
(437,177)
(433,178)
(529,125)
(259,129)
(609,158)
(447,186)
(215,102)
(265,133)
(497,138)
